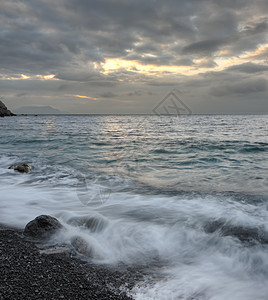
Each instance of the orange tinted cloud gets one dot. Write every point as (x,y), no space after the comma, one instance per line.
(85,97)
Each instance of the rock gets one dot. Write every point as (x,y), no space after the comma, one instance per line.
(42,227)
(56,250)
(24,168)
(4,112)
(81,246)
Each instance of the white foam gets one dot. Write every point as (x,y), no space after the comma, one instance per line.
(142,229)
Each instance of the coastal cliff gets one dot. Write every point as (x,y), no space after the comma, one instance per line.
(4,112)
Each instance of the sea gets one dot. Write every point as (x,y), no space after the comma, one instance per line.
(183,197)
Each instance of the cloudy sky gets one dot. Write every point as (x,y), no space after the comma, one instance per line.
(125,56)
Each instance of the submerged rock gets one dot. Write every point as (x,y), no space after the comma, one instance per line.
(81,246)
(42,227)
(95,223)
(243,233)
(4,112)
(23,168)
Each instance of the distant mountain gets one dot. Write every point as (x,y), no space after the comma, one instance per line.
(38,110)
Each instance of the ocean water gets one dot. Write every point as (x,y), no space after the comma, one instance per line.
(184,197)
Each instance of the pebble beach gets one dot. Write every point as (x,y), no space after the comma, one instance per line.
(26,273)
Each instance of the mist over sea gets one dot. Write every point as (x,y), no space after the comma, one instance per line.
(185,197)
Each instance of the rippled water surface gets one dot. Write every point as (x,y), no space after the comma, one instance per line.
(184,195)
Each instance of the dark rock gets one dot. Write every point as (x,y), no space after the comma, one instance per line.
(42,227)
(4,112)
(23,168)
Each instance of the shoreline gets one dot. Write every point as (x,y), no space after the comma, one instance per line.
(28,273)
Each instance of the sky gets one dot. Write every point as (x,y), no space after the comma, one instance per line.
(127,56)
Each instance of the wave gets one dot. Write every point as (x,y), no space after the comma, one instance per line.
(243,233)
(209,247)
(187,203)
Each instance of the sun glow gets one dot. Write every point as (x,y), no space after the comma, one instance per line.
(24,76)
(260,51)
(117,64)
(256,55)
(49,76)
(85,97)
(43,77)
(46,77)
(221,62)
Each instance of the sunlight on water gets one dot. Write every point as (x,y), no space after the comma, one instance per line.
(186,198)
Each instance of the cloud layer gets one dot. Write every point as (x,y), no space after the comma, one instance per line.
(129,54)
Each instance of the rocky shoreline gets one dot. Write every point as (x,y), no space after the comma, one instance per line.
(29,273)
(4,112)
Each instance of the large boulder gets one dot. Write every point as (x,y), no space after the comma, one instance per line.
(42,227)
(4,112)
(23,168)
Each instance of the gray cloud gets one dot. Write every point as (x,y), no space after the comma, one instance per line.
(248,68)
(206,47)
(108,95)
(44,36)
(256,28)
(21,94)
(244,87)
(72,38)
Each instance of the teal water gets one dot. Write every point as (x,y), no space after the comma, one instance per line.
(189,192)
